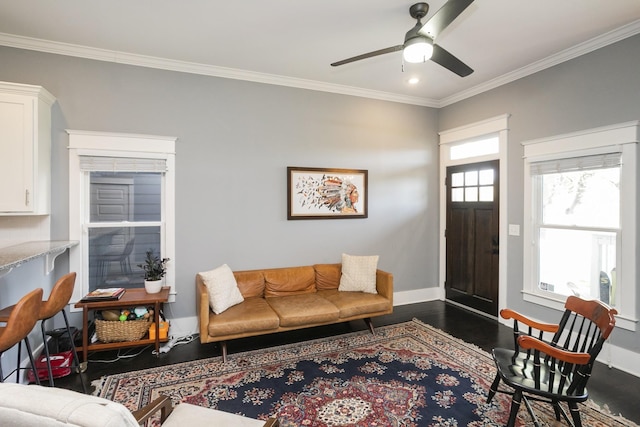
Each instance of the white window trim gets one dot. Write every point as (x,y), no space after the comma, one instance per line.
(623,138)
(496,125)
(87,143)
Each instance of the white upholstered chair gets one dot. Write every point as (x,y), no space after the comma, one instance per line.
(36,406)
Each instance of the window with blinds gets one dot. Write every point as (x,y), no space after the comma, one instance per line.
(577,225)
(580,233)
(122,193)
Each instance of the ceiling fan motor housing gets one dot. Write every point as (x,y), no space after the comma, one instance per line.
(419,10)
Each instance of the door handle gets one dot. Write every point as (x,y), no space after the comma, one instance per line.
(495,245)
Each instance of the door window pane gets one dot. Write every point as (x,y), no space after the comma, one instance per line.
(471,178)
(486,177)
(457,195)
(457,179)
(471,194)
(486,194)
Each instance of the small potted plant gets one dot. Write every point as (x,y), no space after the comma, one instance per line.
(154,270)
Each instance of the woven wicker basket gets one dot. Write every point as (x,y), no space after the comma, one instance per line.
(116,331)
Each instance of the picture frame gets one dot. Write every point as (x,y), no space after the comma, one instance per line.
(326,193)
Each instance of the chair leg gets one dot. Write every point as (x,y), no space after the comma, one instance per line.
(557,410)
(494,388)
(515,406)
(575,414)
(46,352)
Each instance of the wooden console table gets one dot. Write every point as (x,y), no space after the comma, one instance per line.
(131,298)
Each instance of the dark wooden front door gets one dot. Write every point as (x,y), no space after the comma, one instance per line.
(472,234)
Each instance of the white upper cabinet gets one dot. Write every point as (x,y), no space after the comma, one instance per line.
(25,149)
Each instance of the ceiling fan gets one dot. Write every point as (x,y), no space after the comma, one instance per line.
(419,43)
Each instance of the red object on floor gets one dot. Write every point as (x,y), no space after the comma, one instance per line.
(60,366)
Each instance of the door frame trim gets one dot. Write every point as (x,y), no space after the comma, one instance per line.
(495,125)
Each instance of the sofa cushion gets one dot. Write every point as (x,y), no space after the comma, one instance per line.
(222,287)
(356,303)
(359,273)
(289,281)
(304,309)
(254,314)
(250,283)
(327,276)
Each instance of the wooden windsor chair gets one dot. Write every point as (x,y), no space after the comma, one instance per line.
(557,370)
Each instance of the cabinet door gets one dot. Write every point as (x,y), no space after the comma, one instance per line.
(16,153)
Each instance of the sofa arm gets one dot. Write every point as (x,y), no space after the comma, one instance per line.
(202,308)
(384,284)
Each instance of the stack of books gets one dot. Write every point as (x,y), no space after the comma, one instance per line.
(104,294)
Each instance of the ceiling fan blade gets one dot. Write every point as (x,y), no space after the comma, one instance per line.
(368,55)
(443,17)
(450,62)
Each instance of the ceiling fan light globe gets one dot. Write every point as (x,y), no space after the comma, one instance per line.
(418,49)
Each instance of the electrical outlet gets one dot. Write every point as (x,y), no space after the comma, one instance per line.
(514,229)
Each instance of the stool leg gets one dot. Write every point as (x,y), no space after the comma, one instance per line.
(33,362)
(76,359)
(46,352)
(19,357)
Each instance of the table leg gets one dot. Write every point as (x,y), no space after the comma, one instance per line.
(156,318)
(85,336)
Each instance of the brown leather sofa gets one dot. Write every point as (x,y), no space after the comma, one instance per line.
(282,299)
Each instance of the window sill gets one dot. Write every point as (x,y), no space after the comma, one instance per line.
(622,321)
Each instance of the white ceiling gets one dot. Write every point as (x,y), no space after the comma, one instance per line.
(292,42)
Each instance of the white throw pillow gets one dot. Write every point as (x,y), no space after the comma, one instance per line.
(222,287)
(359,273)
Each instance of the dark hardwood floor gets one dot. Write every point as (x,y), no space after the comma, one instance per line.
(612,387)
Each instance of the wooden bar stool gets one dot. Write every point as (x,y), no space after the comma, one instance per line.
(19,323)
(58,300)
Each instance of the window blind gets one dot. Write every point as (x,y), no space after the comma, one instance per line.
(600,161)
(122,164)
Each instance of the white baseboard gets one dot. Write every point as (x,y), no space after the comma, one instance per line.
(418,295)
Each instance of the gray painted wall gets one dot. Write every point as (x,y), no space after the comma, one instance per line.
(598,89)
(235,140)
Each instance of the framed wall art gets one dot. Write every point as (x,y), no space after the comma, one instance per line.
(322,193)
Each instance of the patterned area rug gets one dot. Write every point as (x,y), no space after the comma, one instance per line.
(409,374)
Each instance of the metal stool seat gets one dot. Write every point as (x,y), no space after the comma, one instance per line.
(19,323)
(58,300)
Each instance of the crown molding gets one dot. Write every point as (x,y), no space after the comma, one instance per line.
(573,52)
(106,55)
